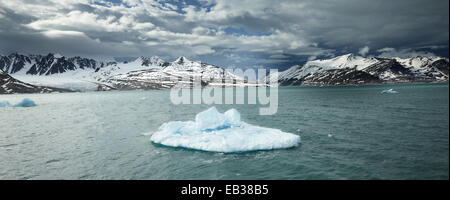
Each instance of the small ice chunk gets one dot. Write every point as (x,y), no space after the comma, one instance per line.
(390,91)
(217,132)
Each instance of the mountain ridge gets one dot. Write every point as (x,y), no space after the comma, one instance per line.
(353,69)
(86,74)
(81,74)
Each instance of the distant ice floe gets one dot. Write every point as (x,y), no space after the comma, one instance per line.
(217,132)
(390,91)
(24,103)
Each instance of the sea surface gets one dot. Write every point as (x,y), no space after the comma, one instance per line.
(347,132)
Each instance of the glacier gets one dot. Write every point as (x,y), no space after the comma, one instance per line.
(24,103)
(217,132)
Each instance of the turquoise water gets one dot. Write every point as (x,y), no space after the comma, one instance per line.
(101,135)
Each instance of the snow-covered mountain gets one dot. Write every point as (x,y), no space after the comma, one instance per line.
(10,85)
(45,65)
(82,74)
(352,69)
(179,73)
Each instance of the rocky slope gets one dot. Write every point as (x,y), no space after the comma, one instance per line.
(10,85)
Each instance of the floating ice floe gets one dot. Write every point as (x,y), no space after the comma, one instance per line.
(5,104)
(24,103)
(217,132)
(390,91)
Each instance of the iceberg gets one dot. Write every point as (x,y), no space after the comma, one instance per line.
(5,104)
(217,132)
(24,103)
(390,91)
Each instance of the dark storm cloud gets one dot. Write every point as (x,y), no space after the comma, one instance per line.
(226,32)
(384,23)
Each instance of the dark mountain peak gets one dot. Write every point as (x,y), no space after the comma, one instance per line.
(442,65)
(418,57)
(49,56)
(181,60)
(351,56)
(15,54)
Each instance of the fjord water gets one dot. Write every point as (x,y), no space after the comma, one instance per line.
(348,132)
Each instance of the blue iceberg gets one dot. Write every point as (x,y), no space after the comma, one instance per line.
(217,132)
(5,104)
(24,103)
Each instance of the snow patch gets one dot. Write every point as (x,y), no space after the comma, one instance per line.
(217,132)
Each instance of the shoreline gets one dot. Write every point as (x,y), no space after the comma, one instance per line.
(283,86)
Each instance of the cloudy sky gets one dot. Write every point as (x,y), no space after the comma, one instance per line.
(240,33)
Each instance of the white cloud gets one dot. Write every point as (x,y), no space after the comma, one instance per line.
(203,49)
(312,58)
(363,51)
(270,29)
(279,56)
(78,20)
(386,49)
(60,34)
(389,52)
